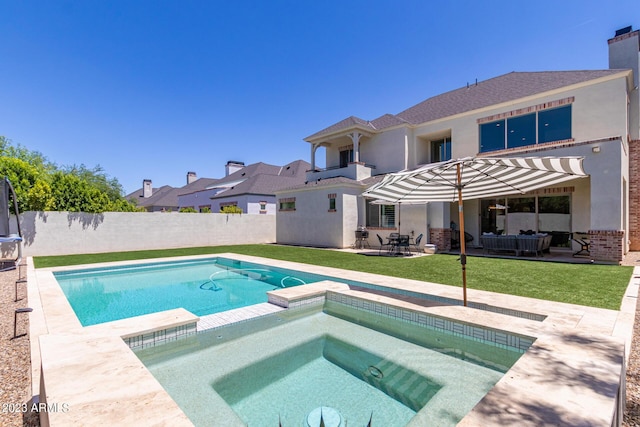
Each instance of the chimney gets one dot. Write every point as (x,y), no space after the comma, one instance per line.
(191,177)
(624,53)
(233,166)
(147,190)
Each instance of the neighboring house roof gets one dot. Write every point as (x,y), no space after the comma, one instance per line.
(504,88)
(257,178)
(165,196)
(263,179)
(197,185)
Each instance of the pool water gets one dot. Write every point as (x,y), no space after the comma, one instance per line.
(201,287)
(281,368)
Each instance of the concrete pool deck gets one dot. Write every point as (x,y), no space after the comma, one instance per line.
(573,373)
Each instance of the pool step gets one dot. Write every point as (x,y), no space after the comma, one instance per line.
(404,385)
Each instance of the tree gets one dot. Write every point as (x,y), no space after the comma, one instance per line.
(42,185)
(32,190)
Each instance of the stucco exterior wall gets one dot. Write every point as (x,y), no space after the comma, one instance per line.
(387,151)
(313,223)
(253,205)
(598,111)
(200,198)
(63,233)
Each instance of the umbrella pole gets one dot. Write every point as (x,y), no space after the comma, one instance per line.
(463,255)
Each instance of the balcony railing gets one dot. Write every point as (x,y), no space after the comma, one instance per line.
(357,171)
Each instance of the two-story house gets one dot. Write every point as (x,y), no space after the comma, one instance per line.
(594,114)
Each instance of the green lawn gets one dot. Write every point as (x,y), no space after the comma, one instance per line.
(585,284)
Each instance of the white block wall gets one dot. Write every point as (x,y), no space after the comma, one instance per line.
(64,233)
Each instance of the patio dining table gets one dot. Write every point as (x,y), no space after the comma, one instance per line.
(397,242)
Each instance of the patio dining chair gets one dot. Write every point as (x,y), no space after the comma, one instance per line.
(404,247)
(416,244)
(383,244)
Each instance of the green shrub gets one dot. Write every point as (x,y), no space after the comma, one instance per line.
(231,210)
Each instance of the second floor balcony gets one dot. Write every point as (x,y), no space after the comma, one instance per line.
(353,170)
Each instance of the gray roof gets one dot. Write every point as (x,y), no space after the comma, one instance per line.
(257,178)
(165,196)
(347,123)
(197,185)
(326,182)
(505,88)
(263,179)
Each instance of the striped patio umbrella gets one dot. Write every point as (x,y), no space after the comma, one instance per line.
(474,178)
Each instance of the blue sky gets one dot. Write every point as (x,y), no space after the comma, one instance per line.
(154,89)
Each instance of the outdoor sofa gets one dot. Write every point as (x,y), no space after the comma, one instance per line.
(519,244)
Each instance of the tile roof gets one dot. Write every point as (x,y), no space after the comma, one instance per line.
(197,185)
(347,123)
(508,87)
(257,178)
(504,88)
(261,178)
(326,182)
(165,196)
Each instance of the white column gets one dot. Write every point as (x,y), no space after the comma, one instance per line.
(355,137)
(313,156)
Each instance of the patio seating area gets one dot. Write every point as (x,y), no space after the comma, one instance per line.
(521,244)
(397,245)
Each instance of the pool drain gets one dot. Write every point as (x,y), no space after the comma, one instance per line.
(376,372)
(330,417)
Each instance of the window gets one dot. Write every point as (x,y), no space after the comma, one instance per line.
(492,136)
(552,125)
(346,157)
(288,204)
(441,150)
(521,131)
(383,216)
(263,206)
(332,202)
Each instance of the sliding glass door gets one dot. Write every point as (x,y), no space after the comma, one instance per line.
(530,214)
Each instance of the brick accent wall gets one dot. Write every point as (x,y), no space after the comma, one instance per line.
(607,245)
(634,195)
(441,237)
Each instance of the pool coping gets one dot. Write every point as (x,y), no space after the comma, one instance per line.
(559,349)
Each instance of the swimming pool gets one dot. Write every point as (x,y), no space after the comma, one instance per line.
(202,286)
(533,392)
(361,365)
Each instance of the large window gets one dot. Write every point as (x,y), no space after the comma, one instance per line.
(521,131)
(554,125)
(382,216)
(492,136)
(539,214)
(441,150)
(528,129)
